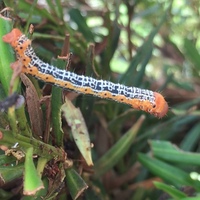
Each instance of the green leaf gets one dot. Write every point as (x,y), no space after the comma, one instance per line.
(32,180)
(7,56)
(56,115)
(75,183)
(40,194)
(169,152)
(5,195)
(76,16)
(142,57)
(191,198)
(33,10)
(8,173)
(7,139)
(173,192)
(168,172)
(192,53)
(56,103)
(190,140)
(108,160)
(4,160)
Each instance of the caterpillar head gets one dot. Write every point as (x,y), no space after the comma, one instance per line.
(12,37)
(161,106)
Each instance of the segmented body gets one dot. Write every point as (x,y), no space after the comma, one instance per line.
(142,99)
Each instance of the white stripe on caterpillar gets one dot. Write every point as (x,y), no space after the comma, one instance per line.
(142,99)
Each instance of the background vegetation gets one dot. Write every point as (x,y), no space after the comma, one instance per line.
(151,44)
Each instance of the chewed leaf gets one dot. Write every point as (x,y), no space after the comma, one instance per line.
(80,134)
(32,180)
(75,183)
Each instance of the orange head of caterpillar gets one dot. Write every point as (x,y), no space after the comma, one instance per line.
(12,37)
(160,108)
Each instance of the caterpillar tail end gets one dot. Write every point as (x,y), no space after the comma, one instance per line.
(162,107)
(12,37)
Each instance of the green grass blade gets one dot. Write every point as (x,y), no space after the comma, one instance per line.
(32,180)
(191,198)
(173,192)
(8,173)
(192,53)
(7,55)
(110,159)
(168,172)
(75,183)
(143,55)
(81,23)
(190,141)
(169,152)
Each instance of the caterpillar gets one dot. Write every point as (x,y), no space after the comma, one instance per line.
(141,99)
